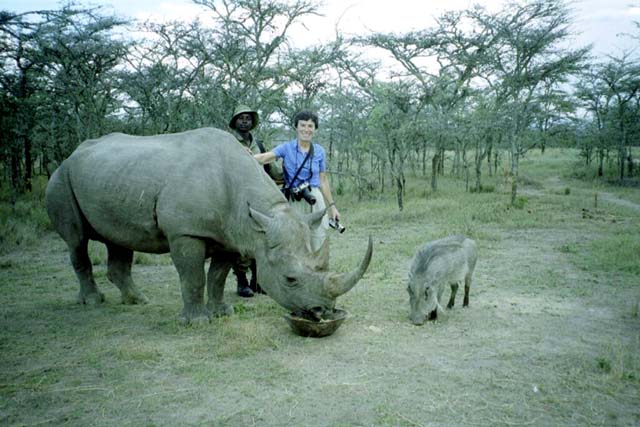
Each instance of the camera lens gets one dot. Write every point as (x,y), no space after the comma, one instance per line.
(309,197)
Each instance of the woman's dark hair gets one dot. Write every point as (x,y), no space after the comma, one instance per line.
(305,115)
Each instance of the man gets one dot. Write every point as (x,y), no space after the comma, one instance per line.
(244,120)
(304,165)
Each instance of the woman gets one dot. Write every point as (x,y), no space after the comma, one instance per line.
(304,164)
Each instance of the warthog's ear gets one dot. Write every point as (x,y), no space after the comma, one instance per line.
(260,221)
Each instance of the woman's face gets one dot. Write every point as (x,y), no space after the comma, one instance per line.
(305,130)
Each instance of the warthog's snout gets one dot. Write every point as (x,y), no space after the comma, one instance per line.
(417,320)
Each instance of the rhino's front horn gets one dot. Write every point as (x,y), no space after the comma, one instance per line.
(338,284)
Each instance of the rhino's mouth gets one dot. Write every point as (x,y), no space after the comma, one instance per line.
(315,314)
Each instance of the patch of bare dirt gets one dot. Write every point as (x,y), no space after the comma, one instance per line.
(543,343)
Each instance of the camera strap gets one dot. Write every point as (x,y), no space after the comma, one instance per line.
(309,153)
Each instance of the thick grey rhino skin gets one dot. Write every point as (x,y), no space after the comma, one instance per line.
(195,194)
(447,261)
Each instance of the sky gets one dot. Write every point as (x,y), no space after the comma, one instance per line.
(599,22)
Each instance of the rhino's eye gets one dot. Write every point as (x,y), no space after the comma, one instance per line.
(291,281)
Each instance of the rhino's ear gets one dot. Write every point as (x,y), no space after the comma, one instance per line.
(260,220)
(315,219)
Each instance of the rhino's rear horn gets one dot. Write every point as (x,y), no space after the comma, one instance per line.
(314,219)
(321,257)
(339,284)
(262,220)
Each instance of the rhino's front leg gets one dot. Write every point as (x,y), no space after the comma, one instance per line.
(218,272)
(188,255)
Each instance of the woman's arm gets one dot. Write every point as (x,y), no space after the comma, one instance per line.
(325,188)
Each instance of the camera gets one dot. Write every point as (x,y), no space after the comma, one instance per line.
(336,225)
(303,191)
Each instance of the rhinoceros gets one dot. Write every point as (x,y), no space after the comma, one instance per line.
(197,195)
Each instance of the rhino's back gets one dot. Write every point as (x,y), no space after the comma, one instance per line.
(152,154)
(125,184)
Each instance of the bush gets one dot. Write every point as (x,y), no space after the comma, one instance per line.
(520,202)
(23,223)
(483,189)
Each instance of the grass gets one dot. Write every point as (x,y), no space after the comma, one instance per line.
(550,338)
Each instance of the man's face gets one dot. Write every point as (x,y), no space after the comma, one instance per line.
(305,130)
(244,122)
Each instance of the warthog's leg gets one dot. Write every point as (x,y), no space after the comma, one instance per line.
(467,286)
(440,293)
(452,298)
(119,273)
(89,293)
(433,300)
(188,254)
(218,271)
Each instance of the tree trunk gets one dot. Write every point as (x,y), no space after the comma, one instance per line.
(622,152)
(600,162)
(399,191)
(28,163)
(435,161)
(424,160)
(515,157)
(441,161)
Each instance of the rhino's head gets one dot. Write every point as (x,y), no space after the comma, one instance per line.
(291,273)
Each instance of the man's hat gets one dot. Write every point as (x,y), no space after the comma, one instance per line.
(242,109)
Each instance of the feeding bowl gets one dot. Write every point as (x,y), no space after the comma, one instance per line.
(327,325)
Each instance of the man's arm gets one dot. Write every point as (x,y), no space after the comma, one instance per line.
(264,158)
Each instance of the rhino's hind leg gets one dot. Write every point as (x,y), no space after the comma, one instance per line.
(69,222)
(119,273)
(89,293)
(188,256)
(218,272)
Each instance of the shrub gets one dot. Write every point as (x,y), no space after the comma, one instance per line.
(520,202)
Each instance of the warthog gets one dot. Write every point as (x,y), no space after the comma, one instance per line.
(446,261)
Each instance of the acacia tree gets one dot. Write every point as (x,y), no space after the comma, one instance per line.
(186,75)
(251,40)
(459,55)
(609,92)
(168,78)
(395,123)
(552,107)
(597,100)
(60,55)
(525,56)
(621,77)
(82,54)
(22,63)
